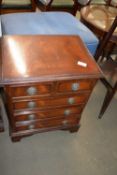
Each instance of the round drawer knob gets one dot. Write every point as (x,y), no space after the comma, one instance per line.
(67,112)
(71,101)
(31,126)
(31,91)
(31,104)
(65,122)
(31,117)
(75,86)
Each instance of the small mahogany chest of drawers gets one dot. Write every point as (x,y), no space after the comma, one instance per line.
(47,82)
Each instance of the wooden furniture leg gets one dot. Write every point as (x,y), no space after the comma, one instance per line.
(1,122)
(109,95)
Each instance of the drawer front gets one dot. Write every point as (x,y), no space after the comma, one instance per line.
(50,102)
(31,90)
(49,123)
(75,86)
(67,112)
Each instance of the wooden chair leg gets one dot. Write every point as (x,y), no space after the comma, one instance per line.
(109,95)
(48,7)
(75,8)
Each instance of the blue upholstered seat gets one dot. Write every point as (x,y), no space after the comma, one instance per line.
(50,23)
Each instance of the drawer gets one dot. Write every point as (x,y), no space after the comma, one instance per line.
(50,102)
(47,124)
(49,114)
(75,86)
(31,90)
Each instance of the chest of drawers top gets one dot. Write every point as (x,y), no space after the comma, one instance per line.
(45,58)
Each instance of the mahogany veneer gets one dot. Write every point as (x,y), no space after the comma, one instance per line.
(45,87)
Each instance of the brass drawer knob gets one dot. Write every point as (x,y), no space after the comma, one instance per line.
(67,112)
(31,117)
(31,126)
(65,122)
(31,91)
(71,101)
(31,104)
(75,86)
